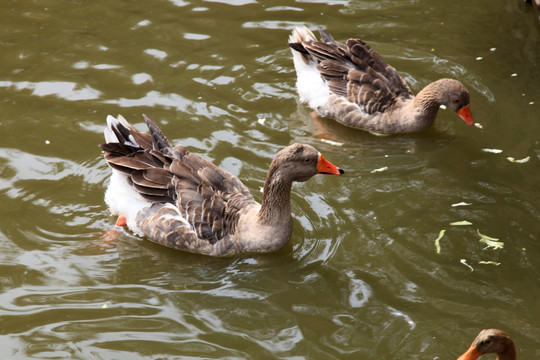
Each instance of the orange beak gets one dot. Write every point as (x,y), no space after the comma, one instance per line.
(470,354)
(465,114)
(326,167)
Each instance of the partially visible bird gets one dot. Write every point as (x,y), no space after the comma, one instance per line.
(491,341)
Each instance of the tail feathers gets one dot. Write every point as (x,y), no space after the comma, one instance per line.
(118,131)
(310,85)
(159,140)
(122,139)
(298,36)
(301,34)
(325,36)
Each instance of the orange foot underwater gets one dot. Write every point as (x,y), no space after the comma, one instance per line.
(110,236)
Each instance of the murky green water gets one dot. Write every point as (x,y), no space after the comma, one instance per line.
(361,278)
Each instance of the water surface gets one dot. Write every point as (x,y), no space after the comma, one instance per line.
(361,277)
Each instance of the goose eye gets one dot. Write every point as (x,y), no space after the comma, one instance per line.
(456,101)
(308,161)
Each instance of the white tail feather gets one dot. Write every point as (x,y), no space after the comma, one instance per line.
(110,136)
(120,195)
(301,33)
(310,85)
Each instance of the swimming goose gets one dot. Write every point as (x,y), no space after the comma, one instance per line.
(491,341)
(353,85)
(182,201)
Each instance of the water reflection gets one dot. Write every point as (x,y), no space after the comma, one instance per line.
(70,91)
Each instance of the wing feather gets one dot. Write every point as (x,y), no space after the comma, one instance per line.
(207,197)
(355,71)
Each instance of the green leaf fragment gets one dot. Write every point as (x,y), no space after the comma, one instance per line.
(489,263)
(461,223)
(437,241)
(331,142)
(519,161)
(464,262)
(463,203)
(490,242)
(486,237)
(493,151)
(384,168)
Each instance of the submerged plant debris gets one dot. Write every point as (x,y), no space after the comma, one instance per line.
(332,142)
(384,168)
(493,151)
(489,263)
(464,262)
(463,203)
(490,242)
(438,241)
(519,161)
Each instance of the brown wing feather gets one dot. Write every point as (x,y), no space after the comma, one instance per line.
(137,161)
(204,192)
(208,197)
(356,71)
(162,224)
(368,60)
(144,140)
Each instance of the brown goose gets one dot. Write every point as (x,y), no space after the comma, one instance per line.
(353,85)
(180,200)
(534,2)
(491,341)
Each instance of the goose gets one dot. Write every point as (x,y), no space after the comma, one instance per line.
(536,3)
(491,341)
(177,199)
(353,84)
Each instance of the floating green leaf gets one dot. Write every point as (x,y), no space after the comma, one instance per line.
(463,203)
(384,168)
(461,223)
(519,161)
(331,142)
(437,241)
(490,242)
(489,263)
(493,151)
(464,262)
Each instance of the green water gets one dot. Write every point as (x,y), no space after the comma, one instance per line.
(361,277)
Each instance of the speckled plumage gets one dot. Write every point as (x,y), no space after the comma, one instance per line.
(353,84)
(180,200)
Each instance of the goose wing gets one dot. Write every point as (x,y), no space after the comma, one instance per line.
(357,72)
(207,198)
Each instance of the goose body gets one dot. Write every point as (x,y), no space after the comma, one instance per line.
(182,201)
(354,85)
(491,341)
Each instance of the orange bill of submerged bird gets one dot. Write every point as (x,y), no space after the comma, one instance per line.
(491,341)
(182,201)
(466,115)
(353,84)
